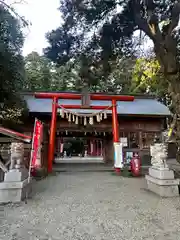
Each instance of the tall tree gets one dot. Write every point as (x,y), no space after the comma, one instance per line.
(66,78)
(11,64)
(147,78)
(113,24)
(38,72)
(42,75)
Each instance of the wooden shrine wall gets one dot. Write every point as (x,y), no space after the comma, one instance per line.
(130,124)
(151,125)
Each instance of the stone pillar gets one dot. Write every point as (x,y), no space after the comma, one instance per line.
(160,179)
(16,185)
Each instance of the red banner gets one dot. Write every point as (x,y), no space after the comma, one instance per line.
(36,145)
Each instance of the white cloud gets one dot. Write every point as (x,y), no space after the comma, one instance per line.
(44,16)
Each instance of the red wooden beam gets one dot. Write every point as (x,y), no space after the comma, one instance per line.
(58,95)
(78,96)
(110,97)
(15,135)
(80,107)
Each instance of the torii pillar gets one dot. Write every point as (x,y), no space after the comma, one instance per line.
(115,129)
(115,126)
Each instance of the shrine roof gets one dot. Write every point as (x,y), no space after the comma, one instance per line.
(142,105)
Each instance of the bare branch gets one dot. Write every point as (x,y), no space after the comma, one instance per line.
(17,2)
(14,12)
(154,23)
(140,21)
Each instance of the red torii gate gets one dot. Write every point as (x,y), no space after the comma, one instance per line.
(56,96)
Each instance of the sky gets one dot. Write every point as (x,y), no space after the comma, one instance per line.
(43,15)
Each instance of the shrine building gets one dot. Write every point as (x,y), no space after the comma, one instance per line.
(86,133)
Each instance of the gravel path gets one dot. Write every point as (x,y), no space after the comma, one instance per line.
(91,206)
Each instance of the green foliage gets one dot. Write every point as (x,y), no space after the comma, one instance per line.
(147,78)
(65,78)
(121,75)
(38,73)
(119,80)
(146,75)
(103,30)
(81,38)
(11,64)
(41,75)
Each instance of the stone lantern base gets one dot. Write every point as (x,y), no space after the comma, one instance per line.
(162,182)
(16,186)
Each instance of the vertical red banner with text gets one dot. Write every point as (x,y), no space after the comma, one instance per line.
(36,145)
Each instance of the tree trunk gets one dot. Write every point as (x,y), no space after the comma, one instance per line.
(174,91)
(85,101)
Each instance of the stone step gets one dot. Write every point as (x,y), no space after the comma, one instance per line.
(89,167)
(82,167)
(79,160)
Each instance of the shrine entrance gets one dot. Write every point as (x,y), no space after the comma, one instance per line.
(98,112)
(78,147)
(79,143)
(82,149)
